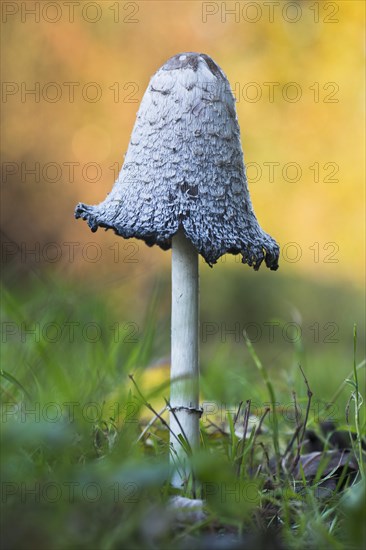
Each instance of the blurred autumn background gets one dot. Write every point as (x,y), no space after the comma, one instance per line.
(73,78)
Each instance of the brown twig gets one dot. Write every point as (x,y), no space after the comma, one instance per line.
(149,424)
(297,417)
(238,412)
(245,430)
(265,452)
(302,437)
(257,431)
(290,444)
(295,434)
(292,440)
(153,410)
(172,411)
(218,428)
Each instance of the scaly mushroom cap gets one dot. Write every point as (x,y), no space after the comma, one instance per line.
(184,168)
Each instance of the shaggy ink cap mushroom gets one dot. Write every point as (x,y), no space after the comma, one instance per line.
(184,169)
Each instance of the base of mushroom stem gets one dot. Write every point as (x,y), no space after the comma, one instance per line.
(180,459)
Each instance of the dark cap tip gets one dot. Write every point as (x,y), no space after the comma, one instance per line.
(192,60)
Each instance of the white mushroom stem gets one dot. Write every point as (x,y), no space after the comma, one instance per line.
(184,376)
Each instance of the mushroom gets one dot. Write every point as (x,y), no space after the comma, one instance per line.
(183,186)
